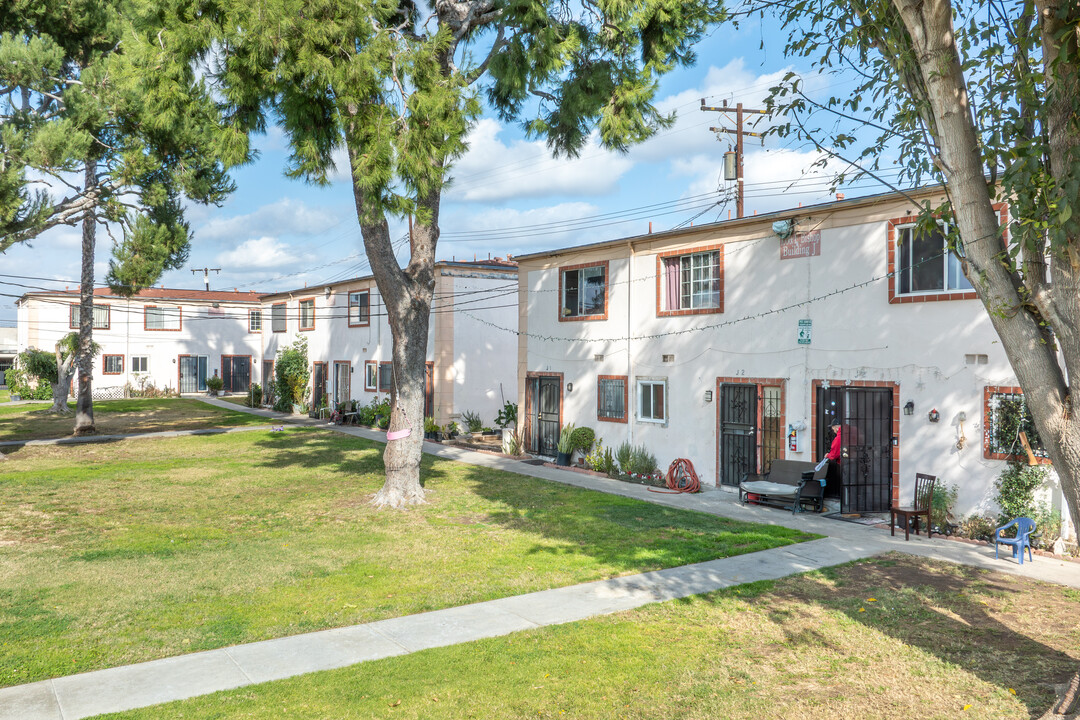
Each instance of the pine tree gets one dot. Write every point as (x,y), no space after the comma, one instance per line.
(399,86)
(97,107)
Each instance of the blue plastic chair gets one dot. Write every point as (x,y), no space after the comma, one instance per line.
(1024,528)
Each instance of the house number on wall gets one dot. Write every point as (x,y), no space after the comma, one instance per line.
(804,331)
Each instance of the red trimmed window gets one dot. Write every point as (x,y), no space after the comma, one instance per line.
(307,314)
(583,292)
(1005,418)
(611,398)
(359,309)
(925,264)
(690,283)
(112,364)
(161,317)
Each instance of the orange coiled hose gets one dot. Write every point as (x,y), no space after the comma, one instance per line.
(681,478)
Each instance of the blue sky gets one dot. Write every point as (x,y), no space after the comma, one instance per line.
(508,197)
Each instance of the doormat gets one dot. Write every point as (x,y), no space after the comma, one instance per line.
(863,519)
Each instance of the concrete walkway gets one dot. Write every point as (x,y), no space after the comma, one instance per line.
(175,678)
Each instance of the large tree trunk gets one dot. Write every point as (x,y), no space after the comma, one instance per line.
(1015,310)
(63,382)
(84,404)
(406,294)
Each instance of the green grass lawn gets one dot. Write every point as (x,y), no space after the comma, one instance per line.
(894,637)
(118,417)
(121,552)
(5,395)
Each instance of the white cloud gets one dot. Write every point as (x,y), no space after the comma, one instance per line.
(284,217)
(494,170)
(498,231)
(259,254)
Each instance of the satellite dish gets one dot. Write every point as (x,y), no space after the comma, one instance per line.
(783,228)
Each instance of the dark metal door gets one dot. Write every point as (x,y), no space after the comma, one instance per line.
(429,389)
(268,381)
(318,384)
(236,373)
(192,373)
(738,439)
(865,419)
(545,397)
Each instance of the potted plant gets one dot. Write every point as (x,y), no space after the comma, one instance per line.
(566,445)
(582,441)
(431,429)
(214,385)
(507,422)
(452,430)
(472,422)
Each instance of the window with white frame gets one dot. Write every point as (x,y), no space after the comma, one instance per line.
(278,317)
(584,292)
(307,314)
(611,398)
(161,317)
(652,400)
(692,281)
(255,321)
(140,363)
(371,375)
(925,264)
(359,310)
(101,317)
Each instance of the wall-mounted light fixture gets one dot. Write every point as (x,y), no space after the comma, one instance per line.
(934,415)
(328,291)
(909,408)
(708,396)
(569,387)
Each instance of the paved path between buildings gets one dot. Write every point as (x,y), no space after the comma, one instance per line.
(91,439)
(132,686)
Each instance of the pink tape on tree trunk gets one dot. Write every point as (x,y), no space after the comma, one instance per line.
(399,434)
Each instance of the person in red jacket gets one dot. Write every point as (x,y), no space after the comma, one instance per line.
(836,449)
(833,480)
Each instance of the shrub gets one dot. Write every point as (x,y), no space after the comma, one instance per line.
(977,527)
(214,384)
(507,416)
(291,375)
(943,502)
(601,459)
(472,421)
(254,396)
(1016,490)
(1047,524)
(642,462)
(430,425)
(622,456)
(582,439)
(566,439)
(452,428)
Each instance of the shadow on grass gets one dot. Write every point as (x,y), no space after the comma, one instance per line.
(941,610)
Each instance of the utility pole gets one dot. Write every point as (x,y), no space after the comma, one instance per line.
(206,275)
(738,132)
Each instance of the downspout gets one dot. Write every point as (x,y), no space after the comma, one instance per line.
(631,391)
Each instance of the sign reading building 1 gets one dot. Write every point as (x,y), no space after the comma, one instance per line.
(801,245)
(805,327)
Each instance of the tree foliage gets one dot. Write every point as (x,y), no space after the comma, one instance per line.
(399,85)
(291,375)
(93,83)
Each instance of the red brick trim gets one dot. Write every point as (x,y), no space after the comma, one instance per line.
(626,399)
(761,383)
(105,365)
(895,387)
(528,404)
(890,252)
(284,305)
(376,387)
(607,282)
(300,314)
(108,316)
(988,392)
(660,312)
(348,308)
(180,309)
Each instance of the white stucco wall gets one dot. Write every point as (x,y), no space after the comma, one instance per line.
(43,320)
(857,336)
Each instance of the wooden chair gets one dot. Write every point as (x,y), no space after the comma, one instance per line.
(924,494)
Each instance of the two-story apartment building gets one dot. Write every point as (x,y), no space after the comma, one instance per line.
(167,337)
(733,344)
(470,367)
